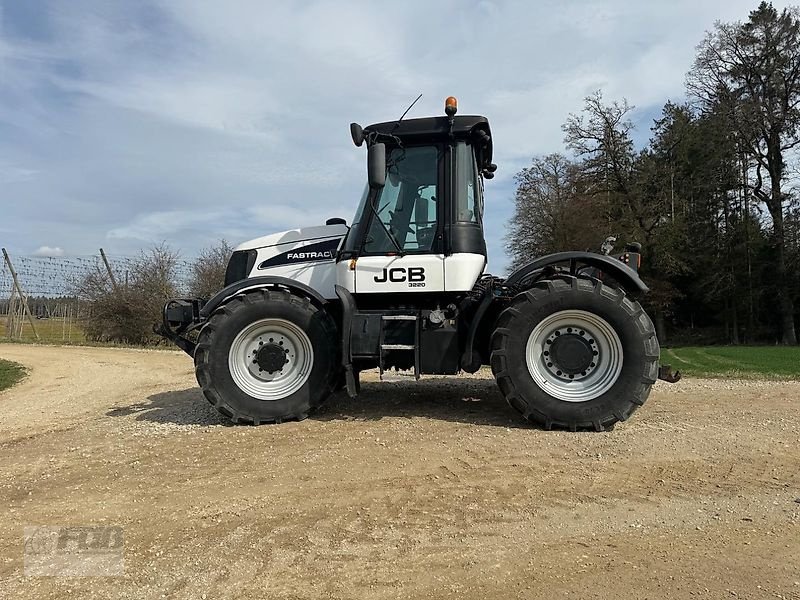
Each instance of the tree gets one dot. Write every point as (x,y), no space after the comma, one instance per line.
(752,71)
(551,211)
(600,136)
(208,270)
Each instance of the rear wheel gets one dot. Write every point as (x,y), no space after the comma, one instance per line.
(575,354)
(267,356)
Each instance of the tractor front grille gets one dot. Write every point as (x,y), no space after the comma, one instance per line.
(239,266)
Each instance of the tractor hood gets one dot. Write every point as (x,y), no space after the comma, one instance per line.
(295,236)
(307,256)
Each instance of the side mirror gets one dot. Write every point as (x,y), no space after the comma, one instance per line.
(357,133)
(376,165)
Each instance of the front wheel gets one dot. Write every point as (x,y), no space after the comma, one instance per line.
(266,357)
(575,354)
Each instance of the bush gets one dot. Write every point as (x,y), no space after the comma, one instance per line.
(208,270)
(127,312)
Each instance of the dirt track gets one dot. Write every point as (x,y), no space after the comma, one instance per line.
(428,490)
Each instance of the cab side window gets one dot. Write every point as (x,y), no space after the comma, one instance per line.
(468,204)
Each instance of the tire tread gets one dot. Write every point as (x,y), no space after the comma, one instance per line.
(217,322)
(542,290)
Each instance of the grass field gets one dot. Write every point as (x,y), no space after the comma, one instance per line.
(55,330)
(774,362)
(10,373)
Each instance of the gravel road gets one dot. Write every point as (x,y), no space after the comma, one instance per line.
(433,490)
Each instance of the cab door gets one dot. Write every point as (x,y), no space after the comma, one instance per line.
(402,249)
(409,273)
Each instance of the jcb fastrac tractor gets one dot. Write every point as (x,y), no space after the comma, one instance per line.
(403,287)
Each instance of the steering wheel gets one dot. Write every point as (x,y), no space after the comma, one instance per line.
(425,236)
(405,228)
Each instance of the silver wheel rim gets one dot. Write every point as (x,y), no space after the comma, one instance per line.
(257,382)
(596,335)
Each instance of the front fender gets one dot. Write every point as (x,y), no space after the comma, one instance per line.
(627,277)
(264,281)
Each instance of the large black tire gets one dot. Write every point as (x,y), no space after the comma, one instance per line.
(549,299)
(211,356)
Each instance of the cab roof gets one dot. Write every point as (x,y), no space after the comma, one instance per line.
(436,129)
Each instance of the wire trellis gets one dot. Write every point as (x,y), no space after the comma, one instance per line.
(55,277)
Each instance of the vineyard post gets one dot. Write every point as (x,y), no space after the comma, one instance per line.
(110,272)
(22,295)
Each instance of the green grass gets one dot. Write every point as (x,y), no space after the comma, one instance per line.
(751,362)
(10,373)
(54,330)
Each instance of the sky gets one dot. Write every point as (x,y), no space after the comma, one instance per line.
(124,124)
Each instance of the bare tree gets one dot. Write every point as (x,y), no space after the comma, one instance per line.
(552,211)
(752,70)
(600,136)
(127,313)
(208,270)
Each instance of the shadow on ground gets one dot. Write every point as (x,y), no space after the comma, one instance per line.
(184,407)
(461,400)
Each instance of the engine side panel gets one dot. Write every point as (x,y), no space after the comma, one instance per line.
(310,262)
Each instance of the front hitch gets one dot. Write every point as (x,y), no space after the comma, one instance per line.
(179,317)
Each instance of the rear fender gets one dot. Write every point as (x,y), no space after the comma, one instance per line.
(627,277)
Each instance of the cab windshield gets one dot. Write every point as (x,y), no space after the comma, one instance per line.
(406,207)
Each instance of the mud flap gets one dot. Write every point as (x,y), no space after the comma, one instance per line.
(348,308)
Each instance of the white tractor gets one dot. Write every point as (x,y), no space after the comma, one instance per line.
(403,287)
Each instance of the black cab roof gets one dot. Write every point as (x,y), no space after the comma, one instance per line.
(435,129)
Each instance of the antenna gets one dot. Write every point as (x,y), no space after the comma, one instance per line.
(396,125)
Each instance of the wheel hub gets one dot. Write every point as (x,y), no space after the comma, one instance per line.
(570,352)
(271,357)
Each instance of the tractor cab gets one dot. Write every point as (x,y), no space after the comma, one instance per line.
(419,225)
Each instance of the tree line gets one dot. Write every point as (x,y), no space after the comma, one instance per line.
(711,197)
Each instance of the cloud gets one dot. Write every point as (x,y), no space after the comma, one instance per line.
(48,251)
(127,123)
(10,173)
(155,226)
